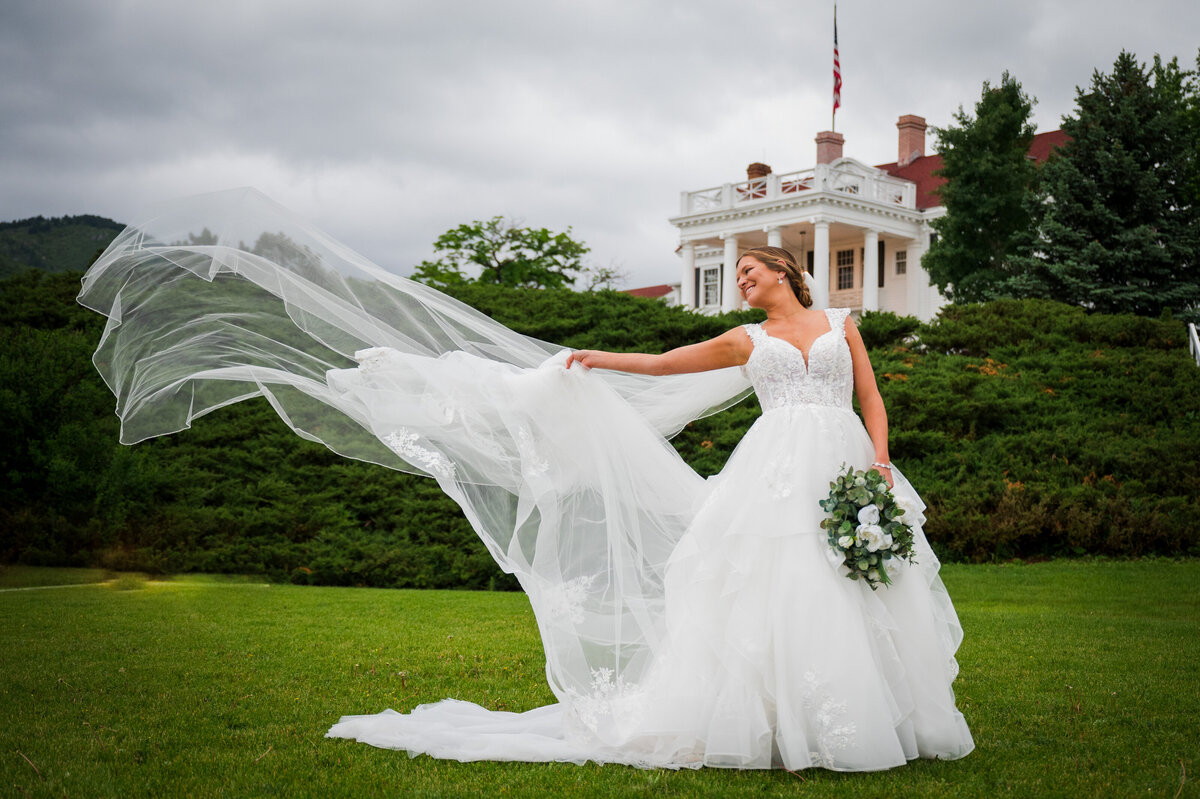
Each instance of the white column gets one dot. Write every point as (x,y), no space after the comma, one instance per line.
(731,300)
(774,237)
(870,293)
(918,278)
(914,279)
(687,285)
(820,277)
(934,302)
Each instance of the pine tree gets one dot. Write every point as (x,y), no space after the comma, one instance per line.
(1120,223)
(986,195)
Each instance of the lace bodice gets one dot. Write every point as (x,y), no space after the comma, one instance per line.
(781,377)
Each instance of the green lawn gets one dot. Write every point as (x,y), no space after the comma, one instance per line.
(1079,679)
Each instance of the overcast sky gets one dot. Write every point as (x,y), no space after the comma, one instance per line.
(386,122)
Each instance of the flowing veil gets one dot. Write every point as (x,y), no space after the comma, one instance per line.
(566,476)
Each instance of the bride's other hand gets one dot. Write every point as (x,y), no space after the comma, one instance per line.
(886,473)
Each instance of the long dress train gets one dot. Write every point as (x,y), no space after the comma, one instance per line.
(685,622)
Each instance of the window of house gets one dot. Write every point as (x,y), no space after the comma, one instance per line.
(845,269)
(879,262)
(712,286)
(810,262)
(901,262)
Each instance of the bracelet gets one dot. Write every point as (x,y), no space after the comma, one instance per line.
(887,466)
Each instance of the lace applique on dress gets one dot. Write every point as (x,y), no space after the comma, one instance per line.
(566,600)
(610,697)
(826,713)
(781,377)
(532,463)
(403,442)
(780,480)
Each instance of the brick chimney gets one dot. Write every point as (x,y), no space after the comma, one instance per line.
(912,139)
(829,146)
(757,170)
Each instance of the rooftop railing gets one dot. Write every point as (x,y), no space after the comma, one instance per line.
(877,188)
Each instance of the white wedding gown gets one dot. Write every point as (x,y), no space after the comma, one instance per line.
(685,622)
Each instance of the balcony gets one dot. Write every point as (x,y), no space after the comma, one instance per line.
(850,178)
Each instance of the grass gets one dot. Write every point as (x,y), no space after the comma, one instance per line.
(39,577)
(1079,678)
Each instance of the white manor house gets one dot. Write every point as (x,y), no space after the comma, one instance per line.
(860,230)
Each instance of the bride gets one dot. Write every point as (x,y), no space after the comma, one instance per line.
(686,622)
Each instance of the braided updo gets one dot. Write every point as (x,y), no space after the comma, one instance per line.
(780,260)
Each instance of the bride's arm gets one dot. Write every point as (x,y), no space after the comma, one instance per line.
(731,348)
(869,400)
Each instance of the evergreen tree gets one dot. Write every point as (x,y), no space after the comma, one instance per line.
(986,195)
(1191,127)
(1121,225)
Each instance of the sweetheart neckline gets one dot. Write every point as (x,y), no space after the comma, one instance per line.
(803,355)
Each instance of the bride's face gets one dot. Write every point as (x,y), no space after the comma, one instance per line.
(756,281)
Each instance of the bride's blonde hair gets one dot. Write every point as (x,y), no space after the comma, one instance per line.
(780,260)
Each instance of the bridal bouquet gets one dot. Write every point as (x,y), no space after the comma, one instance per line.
(866,530)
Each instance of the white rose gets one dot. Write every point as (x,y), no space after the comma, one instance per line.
(912,516)
(872,535)
(846,541)
(868,515)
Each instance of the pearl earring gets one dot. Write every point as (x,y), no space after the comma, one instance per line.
(780,281)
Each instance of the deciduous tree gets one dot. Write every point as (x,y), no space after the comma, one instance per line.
(501,251)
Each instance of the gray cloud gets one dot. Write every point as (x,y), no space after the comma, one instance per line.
(389,122)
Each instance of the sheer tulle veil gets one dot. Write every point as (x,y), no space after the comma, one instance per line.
(566,476)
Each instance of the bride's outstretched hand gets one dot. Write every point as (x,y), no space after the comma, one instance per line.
(589,359)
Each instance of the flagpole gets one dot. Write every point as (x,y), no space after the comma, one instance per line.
(837,75)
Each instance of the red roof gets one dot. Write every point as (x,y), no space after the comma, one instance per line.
(651,291)
(920,171)
(1045,143)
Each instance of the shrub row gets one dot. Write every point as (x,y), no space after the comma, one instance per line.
(1031,428)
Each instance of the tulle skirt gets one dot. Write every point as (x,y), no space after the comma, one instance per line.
(769,656)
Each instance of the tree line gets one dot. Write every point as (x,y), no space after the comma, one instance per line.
(1111,222)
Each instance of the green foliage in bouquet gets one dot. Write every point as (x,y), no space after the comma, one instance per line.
(865,526)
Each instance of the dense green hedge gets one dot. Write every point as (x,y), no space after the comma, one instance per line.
(1031,429)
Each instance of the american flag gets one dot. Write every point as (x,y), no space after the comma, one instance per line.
(837,69)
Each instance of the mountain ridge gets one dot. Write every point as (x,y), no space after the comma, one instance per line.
(54,244)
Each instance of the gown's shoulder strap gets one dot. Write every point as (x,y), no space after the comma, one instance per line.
(837,319)
(755,332)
